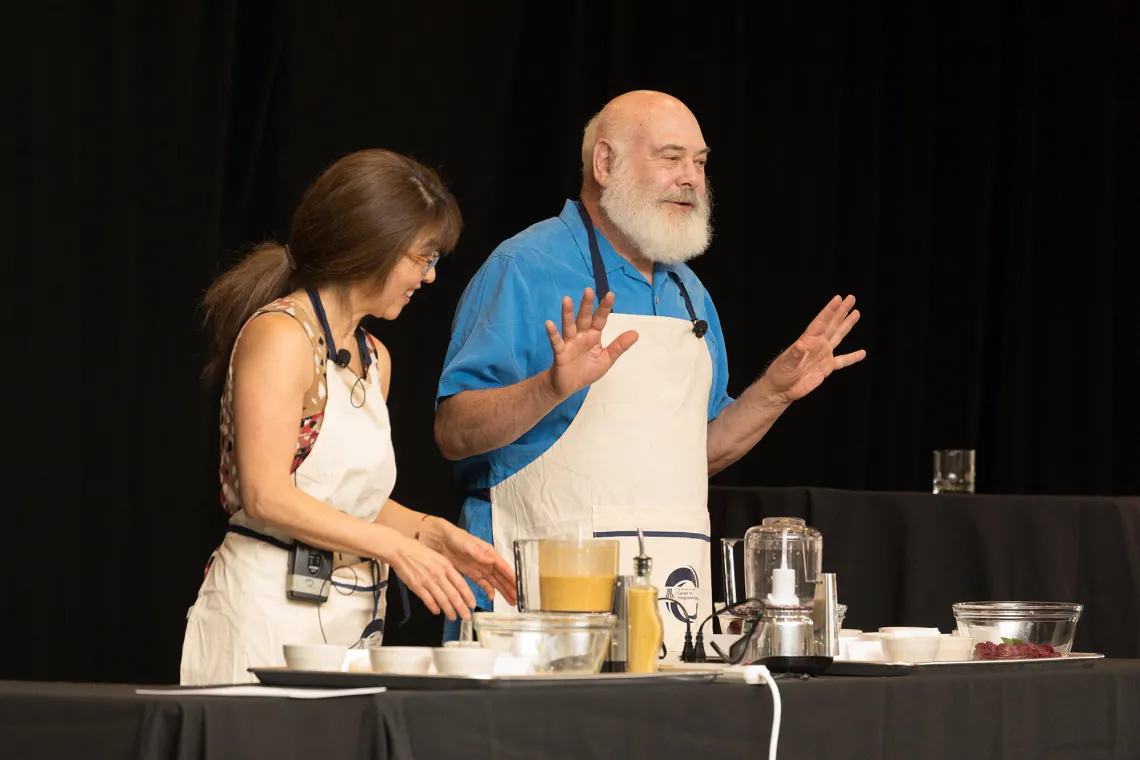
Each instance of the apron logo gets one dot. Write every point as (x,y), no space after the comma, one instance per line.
(683,587)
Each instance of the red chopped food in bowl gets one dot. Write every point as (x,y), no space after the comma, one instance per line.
(1013,649)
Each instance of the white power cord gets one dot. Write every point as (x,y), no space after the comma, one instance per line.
(754,674)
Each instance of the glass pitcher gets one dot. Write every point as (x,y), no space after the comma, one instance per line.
(566,574)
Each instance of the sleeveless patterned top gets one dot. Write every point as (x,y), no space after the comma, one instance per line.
(313,409)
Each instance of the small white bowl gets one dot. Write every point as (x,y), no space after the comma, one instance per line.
(953,648)
(846,636)
(869,636)
(464,661)
(910,648)
(864,651)
(900,631)
(400,660)
(315,656)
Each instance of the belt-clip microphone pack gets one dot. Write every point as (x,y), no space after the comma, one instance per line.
(310,573)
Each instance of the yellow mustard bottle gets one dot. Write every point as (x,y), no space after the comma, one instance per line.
(646,631)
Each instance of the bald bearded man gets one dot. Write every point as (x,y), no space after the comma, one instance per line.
(613,419)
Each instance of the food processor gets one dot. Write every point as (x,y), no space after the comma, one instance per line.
(783,559)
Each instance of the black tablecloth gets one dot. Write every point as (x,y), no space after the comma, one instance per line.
(1087,714)
(905,558)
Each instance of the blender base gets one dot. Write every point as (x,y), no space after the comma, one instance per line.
(805,665)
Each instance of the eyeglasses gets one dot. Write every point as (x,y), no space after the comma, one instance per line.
(429,262)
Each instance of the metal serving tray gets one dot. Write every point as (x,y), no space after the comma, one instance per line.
(860,668)
(317,679)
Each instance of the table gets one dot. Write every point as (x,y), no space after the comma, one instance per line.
(1090,714)
(905,558)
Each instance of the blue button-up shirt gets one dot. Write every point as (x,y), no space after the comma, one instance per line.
(498,337)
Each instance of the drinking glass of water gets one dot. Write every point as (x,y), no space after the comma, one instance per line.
(954,471)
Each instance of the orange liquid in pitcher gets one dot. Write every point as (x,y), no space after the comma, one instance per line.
(576,593)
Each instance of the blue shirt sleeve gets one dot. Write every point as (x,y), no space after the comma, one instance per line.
(498,337)
(718,392)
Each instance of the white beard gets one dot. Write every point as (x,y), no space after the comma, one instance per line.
(637,211)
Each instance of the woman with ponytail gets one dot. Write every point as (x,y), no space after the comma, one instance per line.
(307,466)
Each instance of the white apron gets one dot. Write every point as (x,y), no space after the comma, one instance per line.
(242,617)
(635,456)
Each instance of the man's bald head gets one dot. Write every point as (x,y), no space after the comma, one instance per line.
(635,117)
(643,164)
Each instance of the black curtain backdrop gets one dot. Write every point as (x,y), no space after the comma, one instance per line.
(969,171)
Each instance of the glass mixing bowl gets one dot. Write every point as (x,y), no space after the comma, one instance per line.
(1052,623)
(551,642)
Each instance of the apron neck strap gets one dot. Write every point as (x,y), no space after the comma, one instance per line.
(700,327)
(602,282)
(361,341)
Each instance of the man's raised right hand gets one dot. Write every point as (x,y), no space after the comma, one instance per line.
(580,359)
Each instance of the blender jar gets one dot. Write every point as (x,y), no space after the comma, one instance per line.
(783,558)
